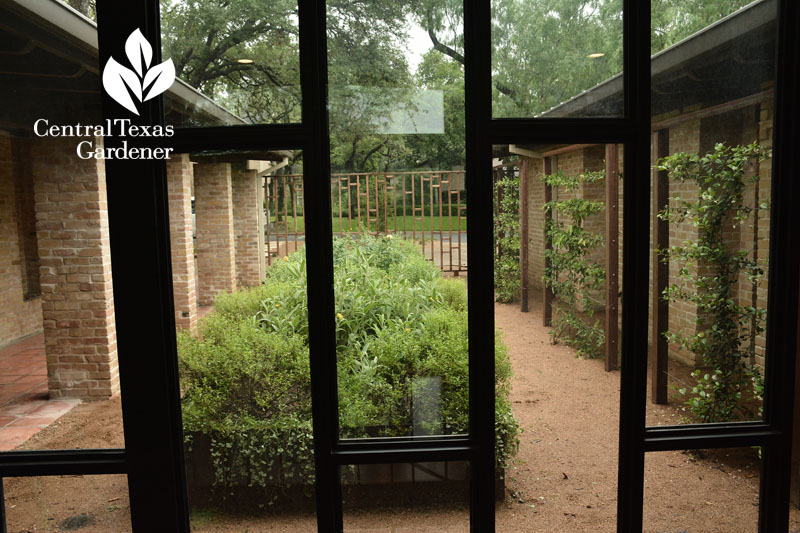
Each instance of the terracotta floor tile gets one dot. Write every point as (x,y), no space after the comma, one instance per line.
(29,379)
(5,419)
(32,421)
(12,434)
(20,408)
(7,446)
(53,408)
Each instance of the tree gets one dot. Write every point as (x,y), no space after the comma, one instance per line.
(674,20)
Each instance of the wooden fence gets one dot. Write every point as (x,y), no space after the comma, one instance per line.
(428,207)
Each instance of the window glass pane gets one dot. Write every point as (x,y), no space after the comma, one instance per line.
(239,274)
(57,329)
(94,504)
(236,63)
(399,219)
(419,497)
(556,258)
(702,490)
(556,59)
(712,136)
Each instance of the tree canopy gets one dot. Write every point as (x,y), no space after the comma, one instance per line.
(244,54)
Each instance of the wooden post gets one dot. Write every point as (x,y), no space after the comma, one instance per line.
(523,231)
(547,314)
(660,310)
(612,256)
(794,491)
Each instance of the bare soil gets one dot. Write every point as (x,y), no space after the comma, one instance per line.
(563,479)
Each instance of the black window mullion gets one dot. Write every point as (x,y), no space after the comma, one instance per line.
(319,261)
(144,309)
(635,264)
(63,462)
(480,293)
(236,137)
(558,130)
(784,266)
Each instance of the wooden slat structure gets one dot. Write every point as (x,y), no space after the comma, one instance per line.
(659,362)
(547,292)
(612,256)
(523,225)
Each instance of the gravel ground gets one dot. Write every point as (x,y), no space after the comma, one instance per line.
(563,479)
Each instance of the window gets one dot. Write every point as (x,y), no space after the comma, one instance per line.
(147,310)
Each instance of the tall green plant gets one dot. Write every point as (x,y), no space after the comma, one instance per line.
(710,268)
(572,275)
(506,238)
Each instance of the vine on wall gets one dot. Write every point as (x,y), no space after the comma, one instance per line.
(506,238)
(575,279)
(730,385)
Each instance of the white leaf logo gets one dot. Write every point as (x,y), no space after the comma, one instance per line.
(121,82)
(161,76)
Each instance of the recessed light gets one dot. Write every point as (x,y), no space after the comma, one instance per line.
(244,61)
(596,54)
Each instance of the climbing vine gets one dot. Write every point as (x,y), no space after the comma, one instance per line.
(574,278)
(506,238)
(730,385)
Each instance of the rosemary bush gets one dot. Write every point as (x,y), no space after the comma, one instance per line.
(246,383)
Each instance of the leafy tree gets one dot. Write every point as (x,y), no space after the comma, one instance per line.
(673,20)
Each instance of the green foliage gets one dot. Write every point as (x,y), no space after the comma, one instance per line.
(506,238)
(400,326)
(572,275)
(709,270)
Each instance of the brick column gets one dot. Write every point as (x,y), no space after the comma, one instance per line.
(213,207)
(75,270)
(184,275)
(248,207)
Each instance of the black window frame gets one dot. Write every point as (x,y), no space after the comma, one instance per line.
(138,218)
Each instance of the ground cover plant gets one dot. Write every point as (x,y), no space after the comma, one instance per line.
(730,385)
(245,379)
(574,277)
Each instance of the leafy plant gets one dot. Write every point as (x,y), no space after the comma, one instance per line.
(506,238)
(400,327)
(710,267)
(572,275)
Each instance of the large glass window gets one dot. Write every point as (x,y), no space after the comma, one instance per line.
(712,176)
(399,220)
(556,59)
(236,63)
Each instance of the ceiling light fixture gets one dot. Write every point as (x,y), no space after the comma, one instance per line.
(596,54)
(244,61)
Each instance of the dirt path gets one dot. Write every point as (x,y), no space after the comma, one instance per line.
(563,479)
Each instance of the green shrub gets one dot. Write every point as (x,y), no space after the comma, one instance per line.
(246,384)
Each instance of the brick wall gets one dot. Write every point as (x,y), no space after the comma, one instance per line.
(75,270)
(184,275)
(536,190)
(216,267)
(19,316)
(248,218)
